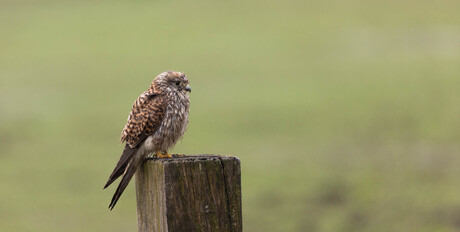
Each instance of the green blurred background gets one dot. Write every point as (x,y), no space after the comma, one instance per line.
(345,114)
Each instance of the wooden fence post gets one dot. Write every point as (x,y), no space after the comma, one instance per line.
(191,193)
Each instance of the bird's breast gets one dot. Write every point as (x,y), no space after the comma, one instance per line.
(174,123)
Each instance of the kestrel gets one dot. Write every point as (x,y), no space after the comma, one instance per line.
(158,119)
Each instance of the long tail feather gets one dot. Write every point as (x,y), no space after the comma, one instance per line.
(125,158)
(131,167)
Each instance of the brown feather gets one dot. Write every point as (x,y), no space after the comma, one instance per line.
(144,118)
(131,168)
(125,158)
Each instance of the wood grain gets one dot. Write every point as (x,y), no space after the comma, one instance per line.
(191,193)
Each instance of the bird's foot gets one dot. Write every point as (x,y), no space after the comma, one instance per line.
(165,155)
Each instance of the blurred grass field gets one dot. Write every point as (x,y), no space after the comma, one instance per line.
(345,115)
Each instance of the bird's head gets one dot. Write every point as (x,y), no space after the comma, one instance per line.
(171,81)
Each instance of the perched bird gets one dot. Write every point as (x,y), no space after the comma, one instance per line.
(158,119)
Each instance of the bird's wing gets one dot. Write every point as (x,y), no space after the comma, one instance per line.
(145,117)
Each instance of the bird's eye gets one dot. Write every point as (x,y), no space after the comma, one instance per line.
(177,82)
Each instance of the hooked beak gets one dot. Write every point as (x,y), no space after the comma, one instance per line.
(188,89)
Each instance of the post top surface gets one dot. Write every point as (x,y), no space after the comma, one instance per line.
(192,158)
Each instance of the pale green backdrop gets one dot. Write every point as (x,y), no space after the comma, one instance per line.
(345,114)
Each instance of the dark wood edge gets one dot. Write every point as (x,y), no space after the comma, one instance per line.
(192,158)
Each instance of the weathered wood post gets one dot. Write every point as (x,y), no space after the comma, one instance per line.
(191,193)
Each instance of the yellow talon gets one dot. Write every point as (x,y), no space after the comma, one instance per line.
(161,155)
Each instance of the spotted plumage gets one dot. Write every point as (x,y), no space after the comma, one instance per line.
(158,119)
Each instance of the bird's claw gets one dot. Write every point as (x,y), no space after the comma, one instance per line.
(161,155)
(166,155)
